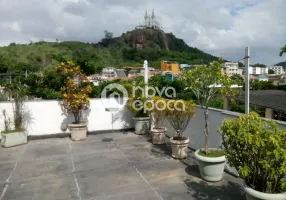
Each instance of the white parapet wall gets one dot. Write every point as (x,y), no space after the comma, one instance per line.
(46,117)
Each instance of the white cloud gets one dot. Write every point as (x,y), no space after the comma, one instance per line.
(220,27)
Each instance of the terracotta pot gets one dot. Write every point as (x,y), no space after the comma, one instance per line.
(158,135)
(179,147)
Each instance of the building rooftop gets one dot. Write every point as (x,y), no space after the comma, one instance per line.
(274,99)
(110,166)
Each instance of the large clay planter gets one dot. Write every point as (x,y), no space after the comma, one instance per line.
(252,194)
(14,139)
(211,169)
(78,131)
(179,148)
(142,125)
(158,135)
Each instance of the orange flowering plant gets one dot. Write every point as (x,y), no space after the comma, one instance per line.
(76,91)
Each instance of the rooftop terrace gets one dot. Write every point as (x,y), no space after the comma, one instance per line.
(106,166)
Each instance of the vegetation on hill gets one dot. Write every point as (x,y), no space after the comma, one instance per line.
(117,52)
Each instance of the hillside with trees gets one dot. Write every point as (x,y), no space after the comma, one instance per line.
(131,49)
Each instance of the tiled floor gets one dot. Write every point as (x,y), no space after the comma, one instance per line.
(107,166)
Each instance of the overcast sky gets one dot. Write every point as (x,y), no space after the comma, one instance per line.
(220,27)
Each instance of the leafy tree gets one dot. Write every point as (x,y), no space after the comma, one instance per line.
(202,81)
(271,71)
(258,65)
(261,85)
(283,50)
(5,62)
(237,78)
(107,38)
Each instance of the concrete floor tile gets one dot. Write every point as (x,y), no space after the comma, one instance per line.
(140,195)
(46,166)
(103,160)
(53,188)
(11,154)
(45,150)
(100,183)
(5,170)
(83,147)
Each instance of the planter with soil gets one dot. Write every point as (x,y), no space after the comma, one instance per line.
(212,165)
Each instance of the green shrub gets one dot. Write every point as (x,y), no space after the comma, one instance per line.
(257,149)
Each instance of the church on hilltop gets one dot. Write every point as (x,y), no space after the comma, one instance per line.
(149,22)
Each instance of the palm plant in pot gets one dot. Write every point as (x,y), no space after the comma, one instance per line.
(75,95)
(158,116)
(17,135)
(179,114)
(207,83)
(257,149)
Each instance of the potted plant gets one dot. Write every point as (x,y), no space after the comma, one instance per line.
(257,149)
(179,114)
(207,83)
(75,95)
(158,115)
(16,136)
(141,115)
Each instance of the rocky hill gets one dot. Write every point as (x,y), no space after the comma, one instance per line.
(130,49)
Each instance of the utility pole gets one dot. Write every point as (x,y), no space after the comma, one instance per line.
(246,64)
(146,74)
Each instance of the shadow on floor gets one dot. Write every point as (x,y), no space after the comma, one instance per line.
(161,151)
(214,191)
(193,170)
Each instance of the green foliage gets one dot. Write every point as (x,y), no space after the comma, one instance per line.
(45,86)
(271,71)
(137,102)
(107,38)
(261,85)
(283,50)
(179,113)
(202,81)
(238,79)
(110,51)
(258,65)
(257,149)
(159,111)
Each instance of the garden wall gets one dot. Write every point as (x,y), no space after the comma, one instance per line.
(195,129)
(45,117)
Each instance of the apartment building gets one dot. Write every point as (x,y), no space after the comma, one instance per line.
(277,69)
(231,68)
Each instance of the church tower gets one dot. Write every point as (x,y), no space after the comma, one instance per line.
(146,19)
